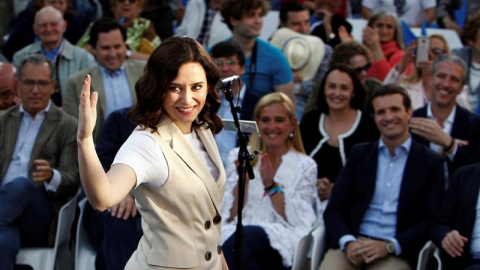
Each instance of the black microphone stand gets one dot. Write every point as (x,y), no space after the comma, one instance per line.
(244,165)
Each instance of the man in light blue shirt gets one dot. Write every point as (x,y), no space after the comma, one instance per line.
(382,203)
(38,164)
(113,78)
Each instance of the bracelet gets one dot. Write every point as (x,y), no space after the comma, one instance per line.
(275,190)
(274,184)
(449,147)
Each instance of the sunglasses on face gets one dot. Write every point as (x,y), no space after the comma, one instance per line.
(437,51)
(359,70)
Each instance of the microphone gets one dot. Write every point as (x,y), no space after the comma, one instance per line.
(228,82)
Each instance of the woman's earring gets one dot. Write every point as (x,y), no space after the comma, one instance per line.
(290,135)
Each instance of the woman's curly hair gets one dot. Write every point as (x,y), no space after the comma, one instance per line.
(161,69)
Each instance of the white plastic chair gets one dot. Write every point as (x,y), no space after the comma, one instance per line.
(313,244)
(318,246)
(314,241)
(43,258)
(85,254)
(427,253)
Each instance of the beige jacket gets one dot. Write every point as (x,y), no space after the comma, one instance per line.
(181,219)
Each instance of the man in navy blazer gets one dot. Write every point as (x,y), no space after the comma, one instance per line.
(457,229)
(384,199)
(443,125)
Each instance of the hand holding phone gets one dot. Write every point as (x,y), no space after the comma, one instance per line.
(423,49)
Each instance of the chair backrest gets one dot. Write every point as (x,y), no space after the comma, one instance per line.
(63,243)
(84,252)
(60,255)
(429,257)
(318,248)
(301,254)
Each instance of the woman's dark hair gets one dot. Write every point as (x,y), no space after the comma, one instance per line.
(358,99)
(161,69)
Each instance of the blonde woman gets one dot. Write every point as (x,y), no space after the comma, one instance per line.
(279,202)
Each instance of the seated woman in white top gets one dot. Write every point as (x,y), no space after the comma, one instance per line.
(278,208)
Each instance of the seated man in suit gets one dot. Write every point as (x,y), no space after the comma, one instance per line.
(385,196)
(113,78)
(457,230)
(444,126)
(38,161)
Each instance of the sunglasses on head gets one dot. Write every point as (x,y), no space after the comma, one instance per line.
(359,70)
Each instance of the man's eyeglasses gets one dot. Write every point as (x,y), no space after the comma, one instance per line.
(130,1)
(42,84)
(359,70)
(229,62)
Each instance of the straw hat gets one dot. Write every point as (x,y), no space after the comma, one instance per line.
(303,52)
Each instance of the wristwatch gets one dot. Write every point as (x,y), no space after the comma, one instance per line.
(390,247)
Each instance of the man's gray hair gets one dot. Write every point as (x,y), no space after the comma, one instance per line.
(450,58)
(38,59)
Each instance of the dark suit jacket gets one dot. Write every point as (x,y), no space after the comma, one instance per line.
(56,142)
(420,195)
(458,213)
(115,131)
(466,126)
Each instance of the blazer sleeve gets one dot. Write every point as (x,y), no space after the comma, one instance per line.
(435,183)
(335,216)
(445,215)
(67,160)
(71,100)
(471,153)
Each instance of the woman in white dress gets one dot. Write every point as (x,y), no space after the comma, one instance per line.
(279,202)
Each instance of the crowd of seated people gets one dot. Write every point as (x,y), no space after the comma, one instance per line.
(354,135)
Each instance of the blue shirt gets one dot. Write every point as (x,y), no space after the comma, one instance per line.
(52,55)
(227,139)
(271,69)
(117,90)
(27,134)
(380,219)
